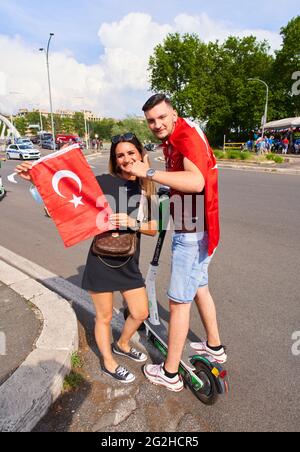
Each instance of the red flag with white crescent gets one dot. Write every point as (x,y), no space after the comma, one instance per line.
(72,195)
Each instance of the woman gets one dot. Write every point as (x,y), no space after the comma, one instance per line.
(105,275)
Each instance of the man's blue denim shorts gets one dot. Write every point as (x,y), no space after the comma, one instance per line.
(190,263)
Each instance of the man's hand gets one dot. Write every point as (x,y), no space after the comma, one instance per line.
(139,169)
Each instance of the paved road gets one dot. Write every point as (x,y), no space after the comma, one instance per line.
(254,280)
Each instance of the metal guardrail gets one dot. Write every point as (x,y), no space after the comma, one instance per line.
(233,146)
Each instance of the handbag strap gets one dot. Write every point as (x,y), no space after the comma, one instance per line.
(115,266)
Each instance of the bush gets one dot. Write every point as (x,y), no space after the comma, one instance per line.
(275,158)
(270,156)
(233,155)
(219,154)
(245,155)
(72,381)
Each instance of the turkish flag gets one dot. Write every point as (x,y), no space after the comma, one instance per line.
(190,141)
(72,195)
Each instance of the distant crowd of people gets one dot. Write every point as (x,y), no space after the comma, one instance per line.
(97,144)
(279,143)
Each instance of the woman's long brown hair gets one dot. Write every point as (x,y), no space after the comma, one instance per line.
(147,185)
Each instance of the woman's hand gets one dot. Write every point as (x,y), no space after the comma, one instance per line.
(23,171)
(122,220)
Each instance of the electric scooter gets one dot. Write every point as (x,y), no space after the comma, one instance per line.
(206,378)
(2,189)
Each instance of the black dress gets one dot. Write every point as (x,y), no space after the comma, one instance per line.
(123,197)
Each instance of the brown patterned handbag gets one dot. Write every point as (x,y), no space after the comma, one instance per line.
(115,244)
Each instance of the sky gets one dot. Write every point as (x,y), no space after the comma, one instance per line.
(100,50)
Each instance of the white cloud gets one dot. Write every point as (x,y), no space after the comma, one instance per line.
(117,84)
(211,30)
(128,46)
(2,83)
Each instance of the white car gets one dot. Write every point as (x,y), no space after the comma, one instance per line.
(22,152)
(25,141)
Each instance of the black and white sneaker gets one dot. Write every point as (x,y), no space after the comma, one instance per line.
(202,348)
(121,374)
(133,354)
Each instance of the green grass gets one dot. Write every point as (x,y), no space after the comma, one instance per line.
(74,379)
(270,156)
(278,159)
(233,155)
(246,155)
(76,361)
(275,158)
(219,154)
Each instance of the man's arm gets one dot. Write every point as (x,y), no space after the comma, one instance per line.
(190,180)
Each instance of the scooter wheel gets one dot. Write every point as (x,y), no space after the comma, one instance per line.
(2,194)
(209,393)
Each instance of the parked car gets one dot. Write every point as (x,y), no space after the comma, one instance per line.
(44,136)
(48,144)
(35,139)
(22,152)
(67,138)
(151,147)
(25,141)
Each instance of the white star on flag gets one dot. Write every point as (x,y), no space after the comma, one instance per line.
(77,201)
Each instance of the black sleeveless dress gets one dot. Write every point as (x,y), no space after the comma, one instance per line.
(99,275)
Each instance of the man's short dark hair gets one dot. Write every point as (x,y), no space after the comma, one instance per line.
(156,100)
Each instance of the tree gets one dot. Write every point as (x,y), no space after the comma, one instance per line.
(287,64)
(172,69)
(236,104)
(21,124)
(78,124)
(210,81)
(133,125)
(103,128)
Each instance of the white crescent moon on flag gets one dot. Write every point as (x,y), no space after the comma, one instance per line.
(61,175)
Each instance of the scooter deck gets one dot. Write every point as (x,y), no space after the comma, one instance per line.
(161,333)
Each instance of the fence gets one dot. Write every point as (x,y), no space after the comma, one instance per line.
(233,146)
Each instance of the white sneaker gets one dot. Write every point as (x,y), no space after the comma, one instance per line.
(202,349)
(155,373)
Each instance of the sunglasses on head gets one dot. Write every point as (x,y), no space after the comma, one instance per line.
(126,137)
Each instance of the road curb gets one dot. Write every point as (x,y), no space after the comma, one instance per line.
(259,169)
(76,297)
(27,395)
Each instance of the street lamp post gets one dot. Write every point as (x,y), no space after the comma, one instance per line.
(49,84)
(265,119)
(41,120)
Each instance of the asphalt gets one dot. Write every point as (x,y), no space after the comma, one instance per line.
(35,361)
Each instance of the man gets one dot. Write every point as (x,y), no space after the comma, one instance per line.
(191,169)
